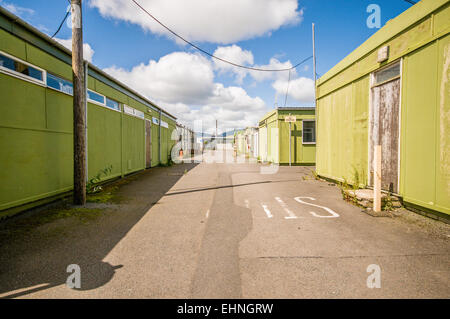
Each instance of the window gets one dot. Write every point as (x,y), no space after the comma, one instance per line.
(95,97)
(59,84)
(112,104)
(309,132)
(19,68)
(133,112)
(387,74)
(139,114)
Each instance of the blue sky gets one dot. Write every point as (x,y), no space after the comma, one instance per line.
(122,38)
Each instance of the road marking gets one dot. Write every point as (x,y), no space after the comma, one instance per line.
(286,209)
(247,205)
(268,213)
(207,213)
(333,213)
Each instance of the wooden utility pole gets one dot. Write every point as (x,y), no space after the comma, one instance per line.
(314,60)
(79,112)
(315,82)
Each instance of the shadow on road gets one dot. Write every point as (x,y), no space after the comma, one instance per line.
(227,186)
(35,254)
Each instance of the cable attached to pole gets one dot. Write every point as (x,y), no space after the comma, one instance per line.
(61,24)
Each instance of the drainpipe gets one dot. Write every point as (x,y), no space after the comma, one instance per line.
(86,68)
(159,137)
(267,142)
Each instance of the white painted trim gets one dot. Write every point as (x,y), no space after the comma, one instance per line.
(125,106)
(400,125)
(94,101)
(59,91)
(315,131)
(103,105)
(21,75)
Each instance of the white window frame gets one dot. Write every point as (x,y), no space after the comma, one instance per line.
(104,103)
(51,88)
(94,101)
(120,105)
(133,112)
(303,131)
(164,124)
(21,75)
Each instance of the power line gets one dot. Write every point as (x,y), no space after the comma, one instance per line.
(61,24)
(411,2)
(212,55)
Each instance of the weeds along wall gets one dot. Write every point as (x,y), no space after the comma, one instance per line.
(419,38)
(36,122)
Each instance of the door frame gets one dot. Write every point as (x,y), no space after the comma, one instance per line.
(371,86)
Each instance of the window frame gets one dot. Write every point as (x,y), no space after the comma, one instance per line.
(52,88)
(118,103)
(133,112)
(303,131)
(22,76)
(94,101)
(373,76)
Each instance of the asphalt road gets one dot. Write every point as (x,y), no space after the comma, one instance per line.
(230,230)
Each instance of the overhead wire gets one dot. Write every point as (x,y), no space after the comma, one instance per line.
(61,24)
(212,55)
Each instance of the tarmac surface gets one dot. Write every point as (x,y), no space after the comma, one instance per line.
(224,230)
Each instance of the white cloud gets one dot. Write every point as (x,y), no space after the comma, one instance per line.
(236,55)
(183,84)
(88,52)
(19,11)
(274,64)
(300,89)
(176,77)
(219,21)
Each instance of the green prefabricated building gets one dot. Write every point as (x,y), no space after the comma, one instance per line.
(273,136)
(124,129)
(392,91)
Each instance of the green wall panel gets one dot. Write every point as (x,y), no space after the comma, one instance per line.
(19,109)
(45,61)
(164,146)
(155,145)
(133,144)
(59,109)
(12,45)
(109,92)
(419,101)
(35,164)
(104,140)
